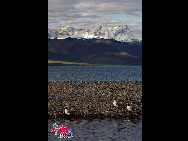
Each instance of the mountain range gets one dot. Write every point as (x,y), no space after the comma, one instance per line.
(98,51)
(119,33)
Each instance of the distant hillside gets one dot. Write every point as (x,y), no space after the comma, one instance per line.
(94,51)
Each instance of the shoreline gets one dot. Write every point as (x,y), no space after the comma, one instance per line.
(69,63)
(94,99)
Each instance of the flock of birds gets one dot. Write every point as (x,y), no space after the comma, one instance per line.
(129,108)
(93,99)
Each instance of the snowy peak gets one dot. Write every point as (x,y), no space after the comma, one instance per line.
(119,33)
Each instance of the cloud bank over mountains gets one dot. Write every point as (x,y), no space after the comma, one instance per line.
(87,13)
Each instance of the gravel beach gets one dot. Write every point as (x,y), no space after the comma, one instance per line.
(95,99)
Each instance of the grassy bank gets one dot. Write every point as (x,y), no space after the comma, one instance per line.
(66,63)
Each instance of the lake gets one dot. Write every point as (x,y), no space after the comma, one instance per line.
(94,73)
(98,130)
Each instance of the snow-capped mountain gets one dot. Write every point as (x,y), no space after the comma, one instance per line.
(119,33)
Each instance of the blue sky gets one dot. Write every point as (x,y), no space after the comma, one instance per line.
(85,13)
(122,16)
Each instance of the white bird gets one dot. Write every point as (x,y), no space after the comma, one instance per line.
(115,103)
(66,111)
(129,108)
(71,112)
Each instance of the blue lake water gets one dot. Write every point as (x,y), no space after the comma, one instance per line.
(94,73)
(98,130)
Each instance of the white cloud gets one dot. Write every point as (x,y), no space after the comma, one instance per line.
(86,13)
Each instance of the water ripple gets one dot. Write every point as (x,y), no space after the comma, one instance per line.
(94,73)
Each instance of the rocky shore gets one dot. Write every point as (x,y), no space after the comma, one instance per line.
(95,99)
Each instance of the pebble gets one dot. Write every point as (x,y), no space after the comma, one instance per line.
(95,99)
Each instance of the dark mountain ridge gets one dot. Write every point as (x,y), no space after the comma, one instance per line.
(100,51)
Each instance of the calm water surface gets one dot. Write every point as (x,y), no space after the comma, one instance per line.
(95,73)
(99,130)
